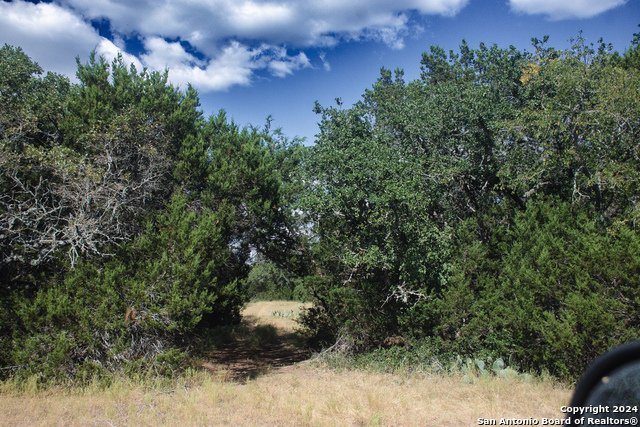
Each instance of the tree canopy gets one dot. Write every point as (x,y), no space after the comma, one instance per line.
(482,204)
(489,207)
(127,221)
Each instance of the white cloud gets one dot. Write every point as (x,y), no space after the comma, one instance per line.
(251,17)
(296,23)
(325,63)
(234,66)
(235,37)
(54,36)
(285,64)
(564,9)
(163,54)
(51,35)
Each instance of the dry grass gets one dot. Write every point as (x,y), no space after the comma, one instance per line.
(261,313)
(299,395)
(302,396)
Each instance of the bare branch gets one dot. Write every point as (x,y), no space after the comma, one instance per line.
(54,199)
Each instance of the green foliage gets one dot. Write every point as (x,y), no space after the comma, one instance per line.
(67,188)
(242,170)
(139,308)
(376,249)
(285,314)
(107,90)
(554,291)
(126,221)
(631,57)
(183,257)
(388,176)
(31,106)
(492,203)
(424,356)
(487,209)
(576,135)
(267,281)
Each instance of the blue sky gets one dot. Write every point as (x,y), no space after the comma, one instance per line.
(256,58)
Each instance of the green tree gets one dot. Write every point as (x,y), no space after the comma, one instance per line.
(246,172)
(552,290)
(577,133)
(57,199)
(107,90)
(130,229)
(513,178)
(140,308)
(389,178)
(631,57)
(378,250)
(541,285)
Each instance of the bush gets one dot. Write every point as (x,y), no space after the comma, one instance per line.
(268,282)
(553,291)
(138,311)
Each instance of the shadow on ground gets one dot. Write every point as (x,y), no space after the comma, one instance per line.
(262,350)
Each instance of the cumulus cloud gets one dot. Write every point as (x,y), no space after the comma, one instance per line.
(53,36)
(231,39)
(163,54)
(283,64)
(233,66)
(296,23)
(567,9)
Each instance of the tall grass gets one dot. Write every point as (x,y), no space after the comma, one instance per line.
(307,395)
(334,389)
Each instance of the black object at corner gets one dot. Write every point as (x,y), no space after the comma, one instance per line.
(612,364)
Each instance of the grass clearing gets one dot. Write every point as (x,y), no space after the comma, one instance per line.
(303,394)
(306,395)
(280,314)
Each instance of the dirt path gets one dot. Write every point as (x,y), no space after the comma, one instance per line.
(247,363)
(267,344)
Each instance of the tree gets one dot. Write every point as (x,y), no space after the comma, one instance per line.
(552,289)
(552,283)
(243,171)
(631,57)
(138,310)
(107,90)
(75,184)
(389,178)
(576,136)
(377,252)
(492,204)
(73,192)
(127,222)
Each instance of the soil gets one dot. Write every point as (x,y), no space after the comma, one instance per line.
(245,362)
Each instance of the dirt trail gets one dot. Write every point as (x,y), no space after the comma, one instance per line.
(267,345)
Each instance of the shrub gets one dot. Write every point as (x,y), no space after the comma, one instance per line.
(139,310)
(554,291)
(268,282)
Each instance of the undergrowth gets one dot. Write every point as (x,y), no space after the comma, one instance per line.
(113,383)
(426,357)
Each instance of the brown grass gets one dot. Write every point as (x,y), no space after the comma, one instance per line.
(260,313)
(305,394)
(302,396)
